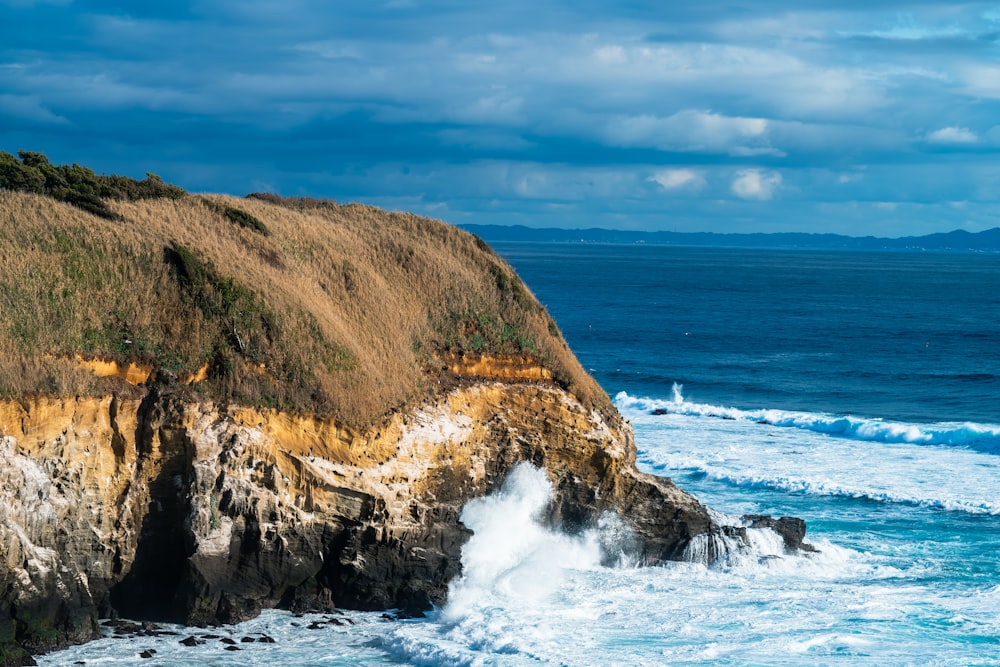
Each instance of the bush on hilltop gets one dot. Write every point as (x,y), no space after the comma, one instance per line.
(77,185)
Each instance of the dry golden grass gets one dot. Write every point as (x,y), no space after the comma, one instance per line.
(343,311)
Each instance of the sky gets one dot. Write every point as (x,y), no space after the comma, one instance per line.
(850,117)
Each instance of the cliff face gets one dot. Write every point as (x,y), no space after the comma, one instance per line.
(161,508)
(211,405)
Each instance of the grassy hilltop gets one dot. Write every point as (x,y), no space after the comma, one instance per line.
(310,306)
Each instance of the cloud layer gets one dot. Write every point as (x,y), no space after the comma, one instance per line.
(815,116)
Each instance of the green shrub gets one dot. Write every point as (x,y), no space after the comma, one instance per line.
(246,220)
(77,185)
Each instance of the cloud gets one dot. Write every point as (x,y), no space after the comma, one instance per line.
(953,135)
(691,131)
(29,108)
(981,80)
(756,184)
(679,179)
(523,108)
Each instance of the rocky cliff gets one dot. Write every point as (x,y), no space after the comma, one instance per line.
(155,507)
(201,417)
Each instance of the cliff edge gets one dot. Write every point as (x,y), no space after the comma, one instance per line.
(212,405)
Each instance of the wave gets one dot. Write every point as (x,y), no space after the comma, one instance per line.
(827,488)
(981,437)
(529,594)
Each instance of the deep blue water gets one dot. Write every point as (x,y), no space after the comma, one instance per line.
(855,390)
(908,336)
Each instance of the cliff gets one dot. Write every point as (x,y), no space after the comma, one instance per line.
(209,406)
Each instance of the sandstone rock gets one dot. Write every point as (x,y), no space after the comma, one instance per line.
(163,508)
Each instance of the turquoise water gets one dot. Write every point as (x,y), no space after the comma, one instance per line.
(855,390)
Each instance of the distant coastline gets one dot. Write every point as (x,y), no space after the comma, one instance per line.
(955,241)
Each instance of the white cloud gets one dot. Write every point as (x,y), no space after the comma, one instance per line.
(610,55)
(691,130)
(953,135)
(679,179)
(755,184)
(982,80)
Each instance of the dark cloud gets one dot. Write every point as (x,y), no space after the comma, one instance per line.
(818,116)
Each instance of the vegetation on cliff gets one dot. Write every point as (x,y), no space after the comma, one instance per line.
(311,306)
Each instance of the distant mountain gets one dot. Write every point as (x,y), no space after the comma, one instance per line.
(958,240)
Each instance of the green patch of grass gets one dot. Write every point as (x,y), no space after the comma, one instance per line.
(237,216)
(246,220)
(484,332)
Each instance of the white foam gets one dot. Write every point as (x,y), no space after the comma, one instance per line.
(985,437)
(745,452)
(511,559)
(529,595)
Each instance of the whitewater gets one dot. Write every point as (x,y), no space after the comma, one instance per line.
(854,390)
(888,585)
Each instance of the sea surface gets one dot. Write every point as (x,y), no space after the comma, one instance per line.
(859,391)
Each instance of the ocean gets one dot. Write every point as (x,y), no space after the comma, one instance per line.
(856,390)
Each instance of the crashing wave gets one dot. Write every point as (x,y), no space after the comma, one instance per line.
(982,437)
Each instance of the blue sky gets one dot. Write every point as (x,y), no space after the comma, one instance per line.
(850,117)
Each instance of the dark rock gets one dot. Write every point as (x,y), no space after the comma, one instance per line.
(191,641)
(791,529)
(265,639)
(248,640)
(228,640)
(149,653)
(233,648)
(123,628)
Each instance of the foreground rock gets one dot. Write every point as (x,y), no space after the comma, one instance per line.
(161,509)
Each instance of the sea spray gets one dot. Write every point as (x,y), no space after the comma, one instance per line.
(737,546)
(511,558)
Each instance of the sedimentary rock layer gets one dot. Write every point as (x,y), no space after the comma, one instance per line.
(160,508)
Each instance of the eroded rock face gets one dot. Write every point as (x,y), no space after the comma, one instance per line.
(161,509)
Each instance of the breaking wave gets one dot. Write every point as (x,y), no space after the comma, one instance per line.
(982,437)
(820,455)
